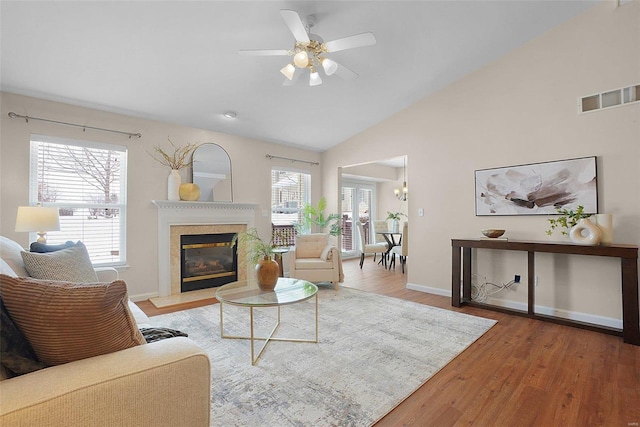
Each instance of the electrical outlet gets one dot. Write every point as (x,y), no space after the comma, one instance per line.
(517,278)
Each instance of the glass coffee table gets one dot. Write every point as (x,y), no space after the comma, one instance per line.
(246,293)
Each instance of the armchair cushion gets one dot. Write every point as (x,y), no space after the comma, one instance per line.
(70,265)
(65,321)
(311,245)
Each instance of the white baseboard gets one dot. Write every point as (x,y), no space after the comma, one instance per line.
(143,297)
(539,309)
(429,289)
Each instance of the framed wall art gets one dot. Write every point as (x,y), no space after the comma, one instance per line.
(537,188)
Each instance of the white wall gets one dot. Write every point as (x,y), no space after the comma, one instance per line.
(147,179)
(520,109)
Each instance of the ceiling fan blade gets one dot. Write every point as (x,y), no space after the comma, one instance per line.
(263,52)
(358,40)
(345,72)
(293,21)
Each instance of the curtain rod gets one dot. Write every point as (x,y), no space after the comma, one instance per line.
(269,156)
(84,128)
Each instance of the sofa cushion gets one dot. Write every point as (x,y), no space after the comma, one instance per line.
(70,265)
(11,254)
(6,269)
(16,354)
(66,321)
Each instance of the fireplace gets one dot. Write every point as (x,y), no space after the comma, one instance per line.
(192,218)
(207,261)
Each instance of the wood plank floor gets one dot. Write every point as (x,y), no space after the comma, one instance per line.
(522,372)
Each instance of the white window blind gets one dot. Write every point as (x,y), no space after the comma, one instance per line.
(87,182)
(290,191)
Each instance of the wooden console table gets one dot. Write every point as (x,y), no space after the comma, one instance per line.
(628,254)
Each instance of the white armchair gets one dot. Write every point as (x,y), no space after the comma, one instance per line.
(316,258)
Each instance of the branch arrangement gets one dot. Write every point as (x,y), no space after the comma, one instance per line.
(181,157)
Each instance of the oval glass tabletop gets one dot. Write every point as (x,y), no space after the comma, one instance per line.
(247,292)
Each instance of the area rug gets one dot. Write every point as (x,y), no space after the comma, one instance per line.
(373,352)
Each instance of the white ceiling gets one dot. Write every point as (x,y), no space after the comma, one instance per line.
(177,62)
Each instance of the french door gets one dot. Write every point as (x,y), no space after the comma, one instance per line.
(358,204)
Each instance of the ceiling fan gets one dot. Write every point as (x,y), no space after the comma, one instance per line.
(309,51)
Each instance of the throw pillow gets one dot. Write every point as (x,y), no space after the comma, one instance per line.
(68,265)
(16,355)
(326,254)
(44,248)
(66,321)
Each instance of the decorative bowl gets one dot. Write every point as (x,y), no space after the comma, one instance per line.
(492,232)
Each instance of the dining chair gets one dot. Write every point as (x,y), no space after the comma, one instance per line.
(380,225)
(364,248)
(402,250)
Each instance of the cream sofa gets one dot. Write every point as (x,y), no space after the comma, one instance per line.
(164,383)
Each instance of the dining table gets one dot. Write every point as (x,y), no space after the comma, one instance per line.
(390,237)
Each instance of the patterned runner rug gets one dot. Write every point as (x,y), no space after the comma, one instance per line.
(373,352)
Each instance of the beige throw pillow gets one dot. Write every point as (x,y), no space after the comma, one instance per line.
(69,265)
(66,321)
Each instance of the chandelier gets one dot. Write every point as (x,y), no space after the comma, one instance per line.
(401,193)
(310,55)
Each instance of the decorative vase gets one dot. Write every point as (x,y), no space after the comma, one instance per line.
(173,185)
(585,233)
(189,192)
(267,273)
(605,224)
(395,226)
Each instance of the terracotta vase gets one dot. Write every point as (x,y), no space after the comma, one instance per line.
(267,273)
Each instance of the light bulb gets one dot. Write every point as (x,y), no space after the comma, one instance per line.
(288,71)
(301,59)
(314,79)
(396,191)
(329,66)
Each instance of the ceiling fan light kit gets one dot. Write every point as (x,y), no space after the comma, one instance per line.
(309,53)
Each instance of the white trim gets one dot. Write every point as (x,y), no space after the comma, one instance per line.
(193,213)
(539,309)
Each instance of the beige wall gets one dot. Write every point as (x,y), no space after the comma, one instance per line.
(147,179)
(520,109)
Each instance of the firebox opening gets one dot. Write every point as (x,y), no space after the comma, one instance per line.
(207,261)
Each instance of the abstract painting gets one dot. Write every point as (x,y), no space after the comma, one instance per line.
(537,188)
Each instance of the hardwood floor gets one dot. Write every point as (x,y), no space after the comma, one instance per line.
(522,372)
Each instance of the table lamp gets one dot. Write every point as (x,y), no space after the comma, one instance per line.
(39,219)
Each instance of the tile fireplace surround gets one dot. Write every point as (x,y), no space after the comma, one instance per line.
(177,218)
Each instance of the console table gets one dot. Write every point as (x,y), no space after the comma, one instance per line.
(628,254)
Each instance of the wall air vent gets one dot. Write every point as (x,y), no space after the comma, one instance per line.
(612,98)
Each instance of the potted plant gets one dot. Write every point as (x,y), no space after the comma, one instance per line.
(179,159)
(260,254)
(395,220)
(568,219)
(315,216)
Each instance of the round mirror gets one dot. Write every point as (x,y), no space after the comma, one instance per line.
(212,173)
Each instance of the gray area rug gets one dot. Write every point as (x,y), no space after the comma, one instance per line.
(373,352)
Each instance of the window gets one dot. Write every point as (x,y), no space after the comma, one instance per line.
(87,183)
(290,191)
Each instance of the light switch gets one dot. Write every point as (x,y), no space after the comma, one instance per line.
(420,212)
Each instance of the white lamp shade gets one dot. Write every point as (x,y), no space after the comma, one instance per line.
(301,59)
(329,66)
(37,218)
(314,79)
(288,71)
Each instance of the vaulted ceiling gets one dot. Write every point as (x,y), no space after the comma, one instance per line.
(178,62)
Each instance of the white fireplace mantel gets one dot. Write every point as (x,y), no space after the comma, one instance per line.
(193,213)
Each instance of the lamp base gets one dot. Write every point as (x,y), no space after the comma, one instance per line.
(42,237)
